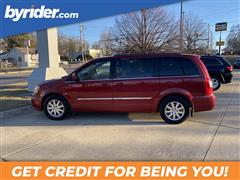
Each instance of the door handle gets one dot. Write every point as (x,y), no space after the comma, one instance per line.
(105,84)
(119,84)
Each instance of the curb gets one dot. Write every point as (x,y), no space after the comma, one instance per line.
(16,112)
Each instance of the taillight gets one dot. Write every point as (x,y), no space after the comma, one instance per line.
(229,68)
(210,83)
(209,87)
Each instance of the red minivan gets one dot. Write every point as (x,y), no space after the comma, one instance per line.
(175,85)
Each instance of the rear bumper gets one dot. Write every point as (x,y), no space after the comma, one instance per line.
(228,78)
(204,103)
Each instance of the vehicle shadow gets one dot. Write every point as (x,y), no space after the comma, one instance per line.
(87,118)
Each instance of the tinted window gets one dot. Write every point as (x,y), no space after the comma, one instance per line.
(170,67)
(189,67)
(134,68)
(96,71)
(224,61)
(211,62)
(176,67)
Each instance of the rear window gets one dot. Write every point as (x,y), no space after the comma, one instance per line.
(211,61)
(176,67)
(226,62)
(189,67)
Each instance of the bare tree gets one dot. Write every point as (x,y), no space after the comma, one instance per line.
(68,45)
(106,42)
(62,47)
(147,31)
(96,45)
(233,40)
(195,34)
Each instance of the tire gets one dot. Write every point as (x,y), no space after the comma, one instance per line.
(55,107)
(216,83)
(171,115)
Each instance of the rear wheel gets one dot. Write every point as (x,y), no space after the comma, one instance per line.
(55,107)
(216,83)
(174,110)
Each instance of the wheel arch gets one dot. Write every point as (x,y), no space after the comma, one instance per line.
(220,76)
(182,94)
(55,94)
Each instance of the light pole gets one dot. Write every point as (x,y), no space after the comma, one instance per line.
(181,26)
(82,41)
(219,48)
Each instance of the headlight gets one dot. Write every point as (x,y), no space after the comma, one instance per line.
(36,89)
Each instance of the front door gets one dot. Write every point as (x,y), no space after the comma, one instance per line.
(134,85)
(93,89)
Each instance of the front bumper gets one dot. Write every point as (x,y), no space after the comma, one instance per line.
(204,103)
(36,102)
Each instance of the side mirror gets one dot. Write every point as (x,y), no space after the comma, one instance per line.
(74,77)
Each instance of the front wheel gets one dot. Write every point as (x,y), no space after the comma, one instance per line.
(174,110)
(55,107)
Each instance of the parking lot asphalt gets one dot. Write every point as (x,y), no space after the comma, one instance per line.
(213,135)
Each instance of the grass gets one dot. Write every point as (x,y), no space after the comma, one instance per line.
(14,95)
(12,69)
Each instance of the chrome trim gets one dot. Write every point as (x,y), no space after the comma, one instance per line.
(132,98)
(90,99)
(118,98)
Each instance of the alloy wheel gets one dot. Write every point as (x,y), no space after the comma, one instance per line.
(55,108)
(174,110)
(215,83)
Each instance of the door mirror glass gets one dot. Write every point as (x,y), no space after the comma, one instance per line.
(75,77)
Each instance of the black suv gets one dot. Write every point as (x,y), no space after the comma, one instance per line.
(219,69)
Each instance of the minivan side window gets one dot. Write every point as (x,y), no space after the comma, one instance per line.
(211,62)
(176,67)
(189,68)
(169,67)
(95,71)
(134,68)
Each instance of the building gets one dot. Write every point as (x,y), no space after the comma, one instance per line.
(95,53)
(23,57)
(90,53)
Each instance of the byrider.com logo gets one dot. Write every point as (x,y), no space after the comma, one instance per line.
(16,14)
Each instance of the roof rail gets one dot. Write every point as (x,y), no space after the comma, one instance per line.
(137,54)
